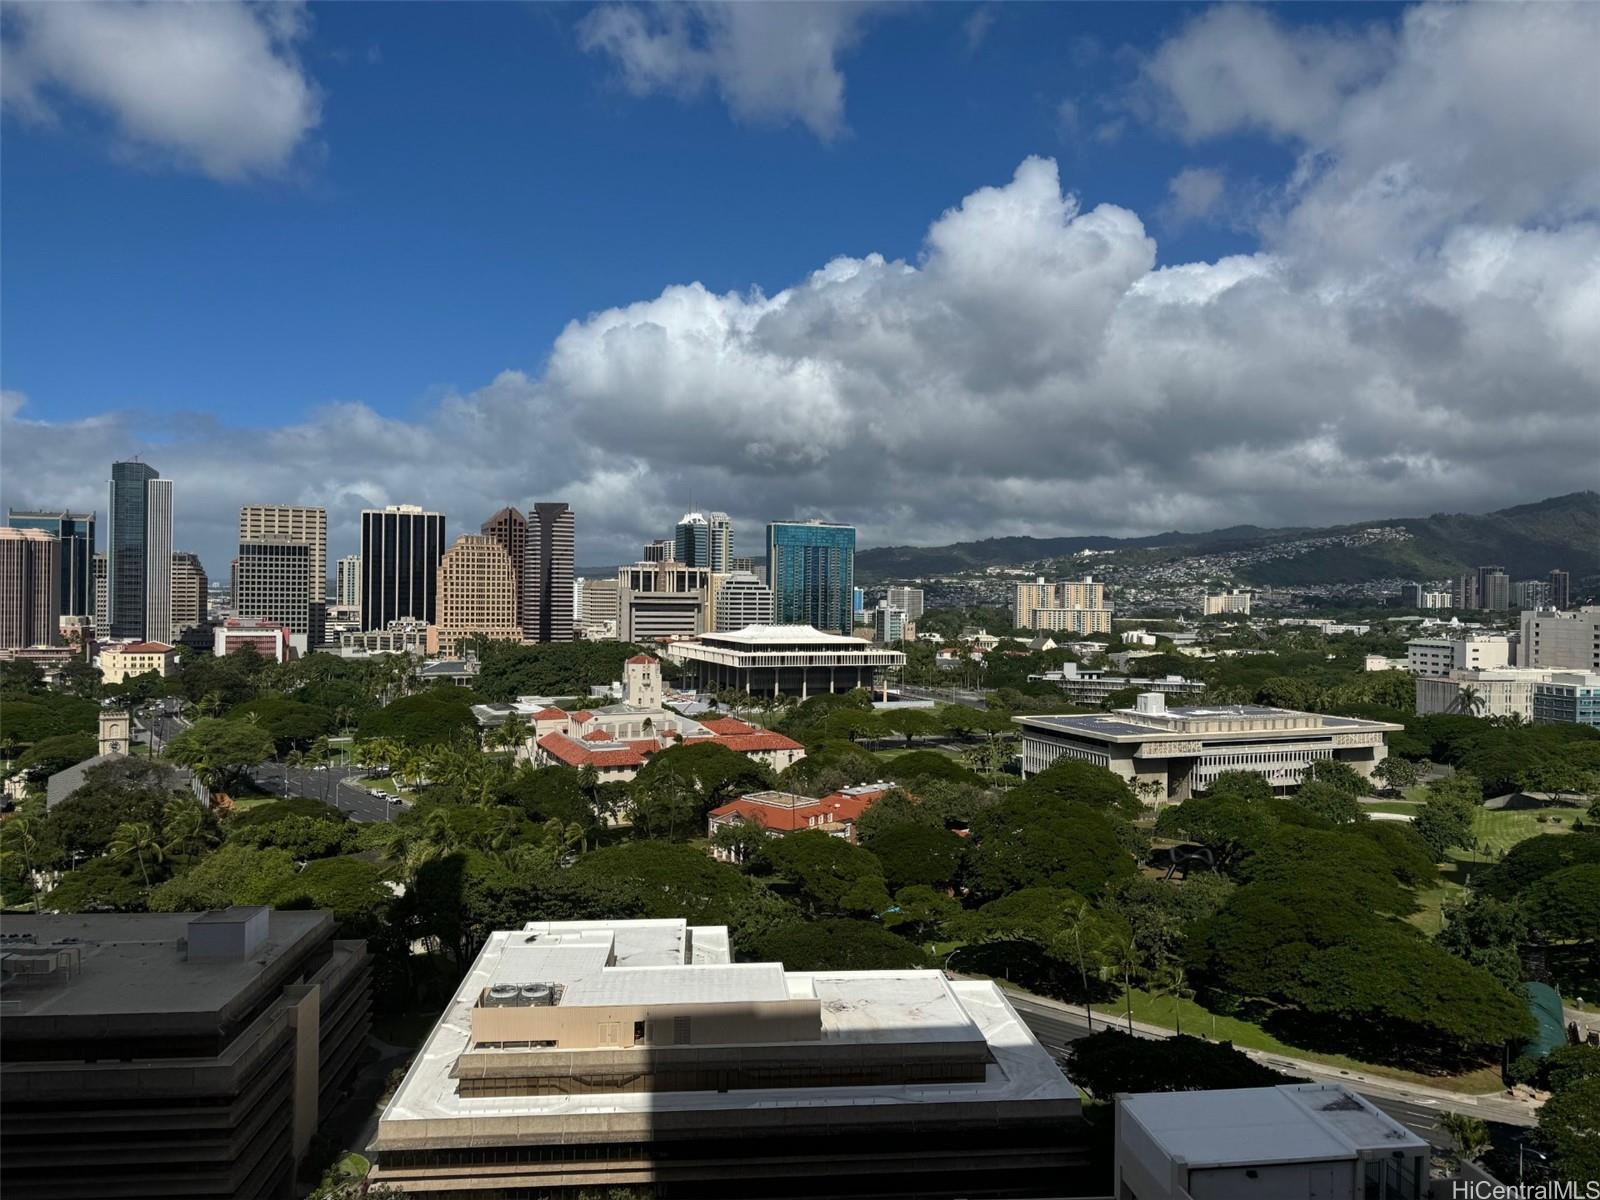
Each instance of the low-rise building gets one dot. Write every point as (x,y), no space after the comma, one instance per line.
(588,1056)
(1174,753)
(793,660)
(1486,692)
(402,636)
(778,813)
(123,662)
(1568,698)
(272,641)
(1085,685)
(1438,656)
(1305,1141)
(173,1054)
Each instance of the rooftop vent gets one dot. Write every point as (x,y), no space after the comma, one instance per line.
(521,995)
(1151,703)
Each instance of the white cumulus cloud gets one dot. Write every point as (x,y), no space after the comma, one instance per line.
(1032,369)
(770,63)
(213,86)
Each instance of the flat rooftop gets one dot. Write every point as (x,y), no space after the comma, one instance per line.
(1309,1122)
(865,1007)
(130,964)
(760,635)
(1217,720)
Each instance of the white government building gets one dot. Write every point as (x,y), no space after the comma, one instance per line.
(1183,750)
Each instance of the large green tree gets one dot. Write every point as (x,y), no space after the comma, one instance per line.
(824,874)
(220,752)
(913,852)
(1030,842)
(834,944)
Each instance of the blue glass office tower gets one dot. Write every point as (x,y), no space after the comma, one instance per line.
(76,533)
(811,569)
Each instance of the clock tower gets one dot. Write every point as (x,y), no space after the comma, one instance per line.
(115,731)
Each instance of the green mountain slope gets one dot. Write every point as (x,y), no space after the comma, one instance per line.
(1528,541)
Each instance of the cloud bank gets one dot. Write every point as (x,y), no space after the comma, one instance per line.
(1416,334)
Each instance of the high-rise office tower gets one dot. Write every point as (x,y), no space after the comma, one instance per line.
(1411,595)
(401,546)
(908,600)
(295,523)
(1559,593)
(548,572)
(811,568)
(347,587)
(1464,591)
(139,553)
(272,583)
(100,572)
(738,599)
(30,588)
(510,528)
(75,532)
(158,568)
(1494,588)
(704,541)
(663,550)
(477,593)
(691,541)
(189,586)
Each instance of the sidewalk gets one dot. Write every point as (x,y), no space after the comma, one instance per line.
(1497,1105)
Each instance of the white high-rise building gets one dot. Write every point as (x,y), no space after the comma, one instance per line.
(1565,640)
(888,624)
(737,600)
(347,587)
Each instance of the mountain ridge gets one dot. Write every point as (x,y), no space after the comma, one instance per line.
(1527,539)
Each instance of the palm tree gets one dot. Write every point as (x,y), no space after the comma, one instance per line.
(1469,701)
(183,827)
(20,830)
(1171,982)
(1470,1134)
(1075,923)
(1129,963)
(137,838)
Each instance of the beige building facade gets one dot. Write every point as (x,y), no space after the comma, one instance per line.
(1073,606)
(120,663)
(189,586)
(477,593)
(30,588)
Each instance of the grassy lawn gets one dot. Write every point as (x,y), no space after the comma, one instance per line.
(383,783)
(897,748)
(1197,1020)
(1497,830)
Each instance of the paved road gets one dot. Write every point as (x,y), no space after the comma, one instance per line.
(340,786)
(1055,1027)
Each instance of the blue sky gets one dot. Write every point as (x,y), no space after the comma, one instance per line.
(478,180)
(1143,266)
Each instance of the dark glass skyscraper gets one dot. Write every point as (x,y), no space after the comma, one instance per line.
(401,546)
(547,574)
(811,569)
(128,549)
(75,531)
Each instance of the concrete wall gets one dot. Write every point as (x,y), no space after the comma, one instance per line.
(587,1027)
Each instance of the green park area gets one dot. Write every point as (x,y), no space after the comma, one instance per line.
(1292,944)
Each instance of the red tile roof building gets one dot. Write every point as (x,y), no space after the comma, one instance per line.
(779,813)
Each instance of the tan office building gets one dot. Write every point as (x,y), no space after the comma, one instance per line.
(30,588)
(477,593)
(189,585)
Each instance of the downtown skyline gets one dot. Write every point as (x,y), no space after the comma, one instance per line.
(1147,286)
